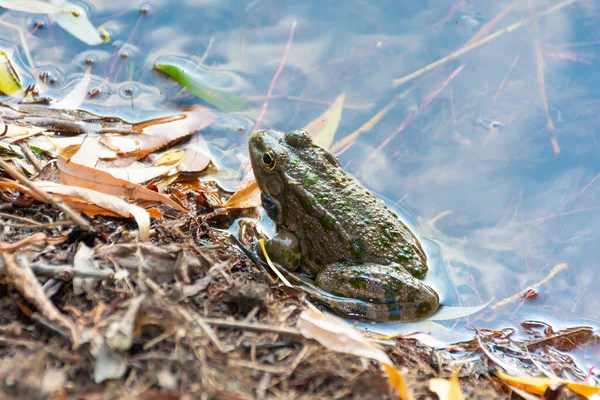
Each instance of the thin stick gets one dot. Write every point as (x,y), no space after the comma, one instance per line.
(466,49)
(557,268)
(263,110)
(78,219)
(67,272)
(251,326)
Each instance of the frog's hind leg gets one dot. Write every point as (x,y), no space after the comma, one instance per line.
(387,292)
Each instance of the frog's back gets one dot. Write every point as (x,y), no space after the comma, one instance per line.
(337,219)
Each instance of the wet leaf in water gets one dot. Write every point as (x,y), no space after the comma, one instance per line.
(30,6)
(74,20)
(214,87)
(75,98)
(158,133)
(446,313)
(323,128)
(10,83)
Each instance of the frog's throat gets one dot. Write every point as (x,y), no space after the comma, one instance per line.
(319,210)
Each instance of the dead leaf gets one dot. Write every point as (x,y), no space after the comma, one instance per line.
(106,201)
(158,133)
(538,385)
(77,175)
(37,239)
(27,284)
(335,334)
(324,127)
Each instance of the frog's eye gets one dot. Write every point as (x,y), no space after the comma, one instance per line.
(268,160)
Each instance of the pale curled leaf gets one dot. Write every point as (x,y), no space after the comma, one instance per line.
(95,179)
(106,201)
(324,127)
(335,334)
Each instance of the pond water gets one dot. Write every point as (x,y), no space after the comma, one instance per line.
(493,152)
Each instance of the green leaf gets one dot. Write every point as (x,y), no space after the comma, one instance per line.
(213,86)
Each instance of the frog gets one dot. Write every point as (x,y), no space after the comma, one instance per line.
(357,256)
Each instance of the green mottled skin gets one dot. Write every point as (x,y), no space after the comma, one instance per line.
(366,262)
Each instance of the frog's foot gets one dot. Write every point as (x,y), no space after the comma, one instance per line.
(375,292)
(283,249)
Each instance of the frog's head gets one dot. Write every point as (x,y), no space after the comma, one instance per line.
(270,154)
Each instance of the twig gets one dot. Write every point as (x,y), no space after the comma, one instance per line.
(263,110)
(49,225)
(67,272)
(22,219)
(466,49)
(77,218)
(32,157)
(557,268)
(251,326)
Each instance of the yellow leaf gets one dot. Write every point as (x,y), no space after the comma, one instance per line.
(10,83)
(247,196)
(323,128)
(397,382)
(446,389)
(170,158)
(538,385)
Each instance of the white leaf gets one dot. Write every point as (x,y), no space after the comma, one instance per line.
(107,201)
(30,6)
(78,25)
(446,313)
(335,334)
(76,96)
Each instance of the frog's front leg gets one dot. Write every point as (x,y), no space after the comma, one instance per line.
(376,292)
(283,249)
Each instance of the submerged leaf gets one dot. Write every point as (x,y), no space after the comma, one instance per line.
(10,83)
(214,87)
(323,128)
(74,20)
(30,6)
(446,313)
(75,98)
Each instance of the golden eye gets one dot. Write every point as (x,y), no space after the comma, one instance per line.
(268,160)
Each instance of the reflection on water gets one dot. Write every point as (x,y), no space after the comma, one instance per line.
(495,152)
